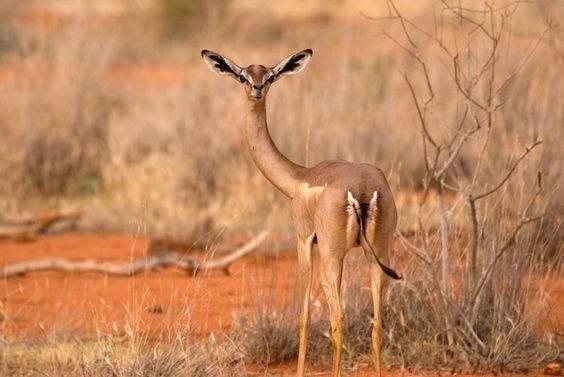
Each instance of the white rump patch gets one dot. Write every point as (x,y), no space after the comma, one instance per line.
(373,206)
(353,206)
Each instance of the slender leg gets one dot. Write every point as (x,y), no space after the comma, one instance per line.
(305,263)
(376,286)
(331,273)
(377,276)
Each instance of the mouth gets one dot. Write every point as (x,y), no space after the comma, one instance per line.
(257,97)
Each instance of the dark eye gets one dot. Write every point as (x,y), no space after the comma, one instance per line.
(270,79)
(242,78)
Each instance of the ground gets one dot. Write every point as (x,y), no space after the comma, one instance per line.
(91,304)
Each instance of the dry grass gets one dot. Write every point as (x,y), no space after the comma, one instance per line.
(101,358)
(512,327)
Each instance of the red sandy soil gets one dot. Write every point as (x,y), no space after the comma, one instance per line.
(155,303)
(91,302)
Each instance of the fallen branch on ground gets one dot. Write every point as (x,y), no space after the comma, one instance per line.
(189,244)
(27,229)
(164,259)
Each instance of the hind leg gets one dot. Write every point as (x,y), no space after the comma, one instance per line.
(331,274)
(376,288)
(331,221)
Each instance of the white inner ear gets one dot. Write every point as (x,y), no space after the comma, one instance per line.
(283,69)
(268,76)
(247,76)
(221,64)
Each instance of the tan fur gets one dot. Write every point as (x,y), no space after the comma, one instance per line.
(319,207)
(319,211)
(257,75)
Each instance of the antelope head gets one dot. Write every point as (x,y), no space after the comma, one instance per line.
(256,78)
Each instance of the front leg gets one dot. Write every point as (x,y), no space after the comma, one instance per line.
(304,275)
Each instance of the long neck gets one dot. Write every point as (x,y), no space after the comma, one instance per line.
(281,172)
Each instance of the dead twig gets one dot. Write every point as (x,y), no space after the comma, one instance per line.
(164,259)
(23,230)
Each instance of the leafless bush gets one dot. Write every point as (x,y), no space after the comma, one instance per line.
(485,235)
(70,117)
(57,113)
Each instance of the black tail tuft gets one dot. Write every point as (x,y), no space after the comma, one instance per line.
(388,271)
(361,213)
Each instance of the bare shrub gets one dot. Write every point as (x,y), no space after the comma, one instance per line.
(485,234)
(57,113)
(69,114)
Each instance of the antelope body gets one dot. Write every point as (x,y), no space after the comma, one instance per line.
(336,205)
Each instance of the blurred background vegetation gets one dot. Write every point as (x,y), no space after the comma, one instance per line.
(108,109)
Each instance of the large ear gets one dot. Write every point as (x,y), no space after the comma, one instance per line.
(293,63)
(221,64)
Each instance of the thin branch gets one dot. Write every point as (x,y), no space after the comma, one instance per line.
(509,173)
(419,112)
(525,59)
(462,16)
(459,127)
(415,55)
(404,21)
(472,261)
(510,241)
(391,2)
(414,249)
(374,18)
(461,89)
(480,156)
(164,259)
(495,10)
(454,154)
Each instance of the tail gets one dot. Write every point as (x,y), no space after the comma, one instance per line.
(353,208)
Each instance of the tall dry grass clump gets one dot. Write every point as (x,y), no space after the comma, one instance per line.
(107,358)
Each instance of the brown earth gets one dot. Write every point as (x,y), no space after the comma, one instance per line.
(91,303)
(156,304)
